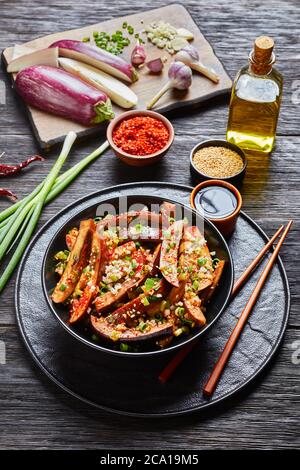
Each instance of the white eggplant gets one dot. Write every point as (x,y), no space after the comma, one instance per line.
(119,93)
(42,57)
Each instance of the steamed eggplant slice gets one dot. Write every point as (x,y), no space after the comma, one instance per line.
(151,270)
(123,250)
(71,238)
(76,262)
(196,262)
(107,331)
(169,252)
(207,294)
(106,300)
(80,305)
(153,291)
(168,209)
(192,305)
(147,218)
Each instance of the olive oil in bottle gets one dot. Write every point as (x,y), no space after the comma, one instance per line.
(255,100)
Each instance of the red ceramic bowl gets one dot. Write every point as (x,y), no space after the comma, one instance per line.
(135,160)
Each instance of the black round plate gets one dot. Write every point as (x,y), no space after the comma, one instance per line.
(130,386)
(215,242)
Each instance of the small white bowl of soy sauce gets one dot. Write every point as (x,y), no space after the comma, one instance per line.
(220,202)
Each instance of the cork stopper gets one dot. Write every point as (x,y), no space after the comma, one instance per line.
(263,48)
(262,57)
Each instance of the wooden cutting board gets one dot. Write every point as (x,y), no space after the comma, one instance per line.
(50,129)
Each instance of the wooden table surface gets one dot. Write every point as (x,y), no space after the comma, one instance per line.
(34,413)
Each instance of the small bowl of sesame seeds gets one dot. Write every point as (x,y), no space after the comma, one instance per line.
(218,159)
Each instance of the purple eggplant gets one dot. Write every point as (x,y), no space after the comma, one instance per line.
(99,58)
(58,92)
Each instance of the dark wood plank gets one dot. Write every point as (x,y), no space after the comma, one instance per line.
(34,413)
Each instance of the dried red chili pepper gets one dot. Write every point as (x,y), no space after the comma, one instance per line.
(141,135)
(7,192)
(7,170)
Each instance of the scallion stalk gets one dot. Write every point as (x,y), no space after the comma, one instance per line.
(41,197)
(60,183)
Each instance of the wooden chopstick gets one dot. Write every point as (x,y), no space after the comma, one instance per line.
(241,281)
(182,353)
(212,382)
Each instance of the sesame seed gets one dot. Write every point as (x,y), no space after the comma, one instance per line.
(218,162)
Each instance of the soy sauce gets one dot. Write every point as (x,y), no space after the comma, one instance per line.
(216,202)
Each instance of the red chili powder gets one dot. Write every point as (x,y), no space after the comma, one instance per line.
(141,135)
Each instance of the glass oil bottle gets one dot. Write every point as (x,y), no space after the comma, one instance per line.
(255,100)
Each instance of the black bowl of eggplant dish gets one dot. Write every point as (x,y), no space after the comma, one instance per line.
(137,282)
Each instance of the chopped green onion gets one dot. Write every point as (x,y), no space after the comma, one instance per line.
(149,284)
(63,287)
(62,255)
(201,261)
(124,347)
(138,228)
(142,325)
(145,301)
(178,332)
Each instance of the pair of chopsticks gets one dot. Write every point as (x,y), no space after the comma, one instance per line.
(212,382)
